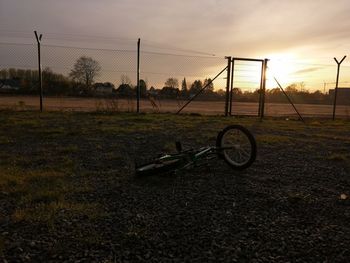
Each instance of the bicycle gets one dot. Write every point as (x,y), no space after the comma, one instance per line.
(234,144)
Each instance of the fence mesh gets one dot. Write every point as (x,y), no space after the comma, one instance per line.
(114,63)
(168,80)
(22,56)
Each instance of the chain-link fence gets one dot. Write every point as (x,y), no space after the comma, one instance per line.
(168,79)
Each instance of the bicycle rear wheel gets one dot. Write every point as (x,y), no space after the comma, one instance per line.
(237,146)
(157,167)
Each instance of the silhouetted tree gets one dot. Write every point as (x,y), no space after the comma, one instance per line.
(3,74)
(291,89)
(54,83)
(84,71)
(125,90)
(124,79)
(143,88)
(170,92)
(172,83)
(196,87)
(210,86)
(12,73)
(237,91)
(184,89)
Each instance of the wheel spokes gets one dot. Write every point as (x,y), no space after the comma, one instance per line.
(237,147)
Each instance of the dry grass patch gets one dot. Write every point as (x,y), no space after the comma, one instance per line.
(273,139)
(339,157)
(47,213)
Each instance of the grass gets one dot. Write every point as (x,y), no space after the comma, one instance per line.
(5,140)
(41,196)
(339,157)
(67,177)
(47,213)
(2,245)
(273,139)
(45,156)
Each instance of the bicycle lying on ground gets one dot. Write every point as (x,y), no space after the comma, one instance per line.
(235,144)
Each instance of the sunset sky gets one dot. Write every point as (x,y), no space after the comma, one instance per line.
(300,37)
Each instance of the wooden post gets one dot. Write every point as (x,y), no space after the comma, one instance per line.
(336,86)
(38,40)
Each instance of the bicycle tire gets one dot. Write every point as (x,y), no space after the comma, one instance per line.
(157,167)
(249,153)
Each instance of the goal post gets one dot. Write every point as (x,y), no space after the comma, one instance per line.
(231,82)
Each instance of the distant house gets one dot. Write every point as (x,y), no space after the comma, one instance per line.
(104,88)
(343,95)
(8,85)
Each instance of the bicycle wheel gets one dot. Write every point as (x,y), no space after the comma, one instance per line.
(237,146)
(157,167)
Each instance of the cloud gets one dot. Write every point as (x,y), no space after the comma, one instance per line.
(214,26)
(250,28)
(308,70)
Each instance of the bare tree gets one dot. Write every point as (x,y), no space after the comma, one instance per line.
(85,70)
(172,83)
(124,79)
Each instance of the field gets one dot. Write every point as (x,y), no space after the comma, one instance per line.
(201,107)
(68,192)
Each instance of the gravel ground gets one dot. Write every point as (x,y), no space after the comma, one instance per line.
(292,205)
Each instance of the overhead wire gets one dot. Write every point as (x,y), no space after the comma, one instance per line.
(242,67)
(78,37)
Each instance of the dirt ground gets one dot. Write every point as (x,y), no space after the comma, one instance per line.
(201,107)
(68,191)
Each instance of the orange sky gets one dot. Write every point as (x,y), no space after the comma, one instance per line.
(300,37)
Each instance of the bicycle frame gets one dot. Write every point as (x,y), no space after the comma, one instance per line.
(192,157)
(242,156)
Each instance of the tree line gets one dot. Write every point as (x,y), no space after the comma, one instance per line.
(81,81)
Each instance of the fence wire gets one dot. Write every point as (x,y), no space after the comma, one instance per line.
(169,78)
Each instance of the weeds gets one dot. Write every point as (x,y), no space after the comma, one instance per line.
(107,105)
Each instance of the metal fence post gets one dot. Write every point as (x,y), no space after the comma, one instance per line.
(231,88)
(261,87)
(38,40)
(336,86)
(262,109)
(138,77)
(228,84)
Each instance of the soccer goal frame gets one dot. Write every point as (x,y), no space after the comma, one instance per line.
(230,83)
